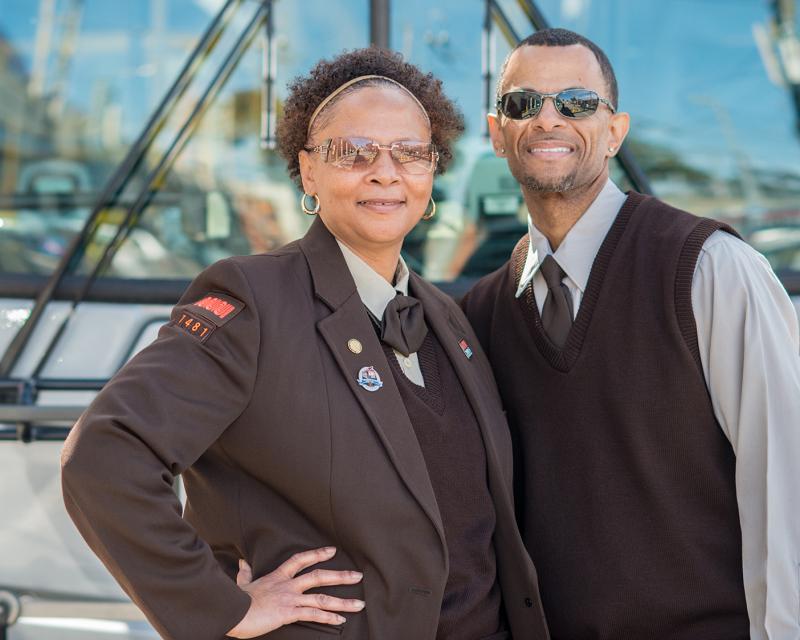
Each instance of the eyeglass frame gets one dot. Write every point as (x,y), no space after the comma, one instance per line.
(325,147)
(553,96)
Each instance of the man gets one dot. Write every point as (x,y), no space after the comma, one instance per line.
(648,361)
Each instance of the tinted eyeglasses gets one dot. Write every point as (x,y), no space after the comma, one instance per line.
(570,103)
(410,156)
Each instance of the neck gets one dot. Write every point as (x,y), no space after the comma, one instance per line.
(555,213)
(382,260)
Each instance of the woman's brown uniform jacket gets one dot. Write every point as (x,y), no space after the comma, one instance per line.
(251,393)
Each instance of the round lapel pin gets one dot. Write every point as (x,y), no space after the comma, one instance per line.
(369,379)
(355,346)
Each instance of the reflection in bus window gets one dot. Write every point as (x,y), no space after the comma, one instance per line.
(77,83)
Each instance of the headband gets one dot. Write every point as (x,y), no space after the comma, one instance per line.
(350,83)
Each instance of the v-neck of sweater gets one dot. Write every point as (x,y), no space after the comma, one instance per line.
(432,394)
(563,358)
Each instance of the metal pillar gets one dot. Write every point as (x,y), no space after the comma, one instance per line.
(379,23)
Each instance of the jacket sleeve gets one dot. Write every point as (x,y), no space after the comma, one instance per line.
(150,422)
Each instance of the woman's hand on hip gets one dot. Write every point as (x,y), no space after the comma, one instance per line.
(279,598)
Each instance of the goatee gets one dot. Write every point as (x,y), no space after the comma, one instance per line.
(557,185)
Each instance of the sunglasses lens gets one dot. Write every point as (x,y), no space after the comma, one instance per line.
(577,103)
(572,103)
(359,153)
(415,157)
(351,153)
(519,105)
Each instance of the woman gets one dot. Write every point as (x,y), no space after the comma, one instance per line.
(315,413)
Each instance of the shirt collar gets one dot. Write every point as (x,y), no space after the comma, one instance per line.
(576,253)
(372,288)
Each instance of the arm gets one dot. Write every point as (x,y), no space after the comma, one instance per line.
(154,419)
(748,338)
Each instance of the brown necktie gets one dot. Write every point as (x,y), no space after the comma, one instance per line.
(403,327)
(557,309)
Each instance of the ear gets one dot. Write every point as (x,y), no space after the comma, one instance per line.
(496,135)
(307,172)
(618,126)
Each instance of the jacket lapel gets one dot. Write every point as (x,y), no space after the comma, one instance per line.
(384,406)
(478,391)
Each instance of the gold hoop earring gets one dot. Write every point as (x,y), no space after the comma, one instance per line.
(430,215)
(306,210)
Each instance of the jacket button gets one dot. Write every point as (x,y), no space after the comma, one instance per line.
(528,602)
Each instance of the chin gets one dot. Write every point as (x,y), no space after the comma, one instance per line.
(542,182)
(368,238)
(388,231)
(549,185)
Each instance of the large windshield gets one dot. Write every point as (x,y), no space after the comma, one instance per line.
(713,101)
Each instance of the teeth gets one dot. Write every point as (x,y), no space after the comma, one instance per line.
(551,150)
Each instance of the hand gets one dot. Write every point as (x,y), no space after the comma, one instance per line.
(279,598)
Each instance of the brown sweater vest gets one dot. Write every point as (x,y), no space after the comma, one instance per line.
(625,481)
(451,444)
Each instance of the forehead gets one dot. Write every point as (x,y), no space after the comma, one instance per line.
(383,113)
(550,69)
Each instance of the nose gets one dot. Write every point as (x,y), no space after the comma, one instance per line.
(548,117)
(383,169)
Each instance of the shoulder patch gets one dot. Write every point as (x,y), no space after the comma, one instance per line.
(194,326)
(217,308)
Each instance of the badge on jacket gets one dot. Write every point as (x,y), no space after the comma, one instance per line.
(369,379)
(200,319)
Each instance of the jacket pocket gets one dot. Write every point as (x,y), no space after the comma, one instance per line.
(322,628)
(501,635)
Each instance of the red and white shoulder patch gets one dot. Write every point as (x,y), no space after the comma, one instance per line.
(218,308)
(200,319)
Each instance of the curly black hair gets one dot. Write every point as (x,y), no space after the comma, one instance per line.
(307,92)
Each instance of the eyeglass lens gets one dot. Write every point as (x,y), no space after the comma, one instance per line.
(356,153)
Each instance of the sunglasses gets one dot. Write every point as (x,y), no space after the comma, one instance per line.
(410,156)
(570,103)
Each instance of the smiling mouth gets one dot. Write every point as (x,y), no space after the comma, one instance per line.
(380,203)
(549,150)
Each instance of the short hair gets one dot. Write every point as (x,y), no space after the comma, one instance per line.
(566,38)
(307,92)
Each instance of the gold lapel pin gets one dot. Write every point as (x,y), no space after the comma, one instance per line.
(355,346)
